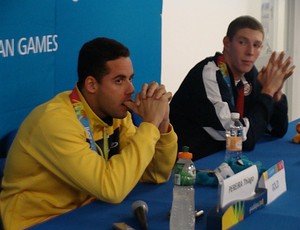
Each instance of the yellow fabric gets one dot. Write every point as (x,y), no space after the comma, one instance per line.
(50,168)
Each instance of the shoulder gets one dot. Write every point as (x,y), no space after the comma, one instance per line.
(55,113)
(211,61)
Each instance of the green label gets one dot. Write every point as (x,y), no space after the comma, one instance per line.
(183,176)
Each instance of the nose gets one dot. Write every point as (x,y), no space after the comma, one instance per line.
(130,88)
(250,49)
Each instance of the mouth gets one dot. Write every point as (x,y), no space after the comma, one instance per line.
(127,100)
(247,62)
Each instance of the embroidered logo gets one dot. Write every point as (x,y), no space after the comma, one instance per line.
(247,89)
(114,145)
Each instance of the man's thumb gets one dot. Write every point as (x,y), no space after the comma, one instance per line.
(130,105)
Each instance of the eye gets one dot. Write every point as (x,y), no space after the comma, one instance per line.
(257,45)
(119,80)
(242,42)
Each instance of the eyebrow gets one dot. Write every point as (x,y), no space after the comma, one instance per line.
(122,76)
(243,37)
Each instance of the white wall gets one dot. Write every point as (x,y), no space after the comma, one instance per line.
(194,29)
(293,48)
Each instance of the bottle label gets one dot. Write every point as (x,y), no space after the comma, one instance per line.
(182,176)
(234,143)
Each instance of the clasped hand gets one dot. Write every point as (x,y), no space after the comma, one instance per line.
(152,104)
(273,76)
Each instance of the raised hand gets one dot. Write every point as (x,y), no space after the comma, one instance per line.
(273,76)
(152,104)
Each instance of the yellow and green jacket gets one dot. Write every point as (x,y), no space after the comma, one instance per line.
(51,169)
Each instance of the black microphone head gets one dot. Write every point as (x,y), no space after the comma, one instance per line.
(140,210)
(139,203)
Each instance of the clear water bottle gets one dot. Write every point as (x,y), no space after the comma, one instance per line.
(183,204)
(234,139)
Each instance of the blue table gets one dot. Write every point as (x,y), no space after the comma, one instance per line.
(283,213)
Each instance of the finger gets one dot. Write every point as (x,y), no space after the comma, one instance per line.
(286,64)
(131,105)
(270,65)
(143,93)
(138,100)
(272,58)
(269,68)
(152,88)
(168,95)
(160,91)
(263,69)
(261,73)
(289,72)
(279,60)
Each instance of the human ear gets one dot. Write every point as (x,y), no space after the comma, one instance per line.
(226,42)
(91,84)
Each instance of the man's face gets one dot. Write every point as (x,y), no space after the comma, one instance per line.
(243,50)
(115,88)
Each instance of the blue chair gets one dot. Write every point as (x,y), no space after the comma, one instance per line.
(6,142)
(5,145)
(2,164)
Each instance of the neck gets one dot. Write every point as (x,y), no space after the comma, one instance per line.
(236,75)
(91,101)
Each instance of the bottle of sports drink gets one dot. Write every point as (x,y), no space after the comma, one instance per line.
(183,204)
(234,139)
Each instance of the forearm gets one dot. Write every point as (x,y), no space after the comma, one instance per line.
(279,119)
(83,169)
(160,168)
(259,118)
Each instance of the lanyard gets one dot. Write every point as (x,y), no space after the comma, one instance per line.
(82,117)
(223,68)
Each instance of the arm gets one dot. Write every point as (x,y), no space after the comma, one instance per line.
(279,119)
(160,168)
(258,116)
(269,111)
(199,103)
(266,116)
(68,156)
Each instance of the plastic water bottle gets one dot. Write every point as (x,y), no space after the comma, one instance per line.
(183,205)
(234,139)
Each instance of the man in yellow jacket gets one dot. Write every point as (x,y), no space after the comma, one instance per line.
(82,145)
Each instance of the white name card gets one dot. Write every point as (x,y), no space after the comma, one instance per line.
(274,181)
(240,186)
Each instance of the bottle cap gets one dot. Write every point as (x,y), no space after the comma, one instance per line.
(185,148)
(185,153)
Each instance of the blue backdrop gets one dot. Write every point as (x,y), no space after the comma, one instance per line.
(40,41)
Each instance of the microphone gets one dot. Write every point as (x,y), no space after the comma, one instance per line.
(140,210)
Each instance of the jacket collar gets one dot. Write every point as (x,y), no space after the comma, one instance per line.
(94,120)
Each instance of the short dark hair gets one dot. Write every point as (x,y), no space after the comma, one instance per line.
(93,56)
(243,22)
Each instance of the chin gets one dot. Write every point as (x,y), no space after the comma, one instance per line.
(121,115)
(247,68)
